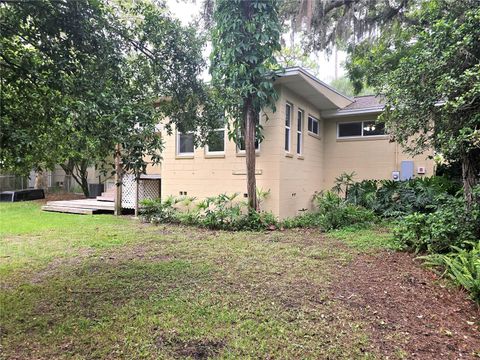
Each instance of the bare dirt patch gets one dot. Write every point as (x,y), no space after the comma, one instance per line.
(195,349)
(409,312)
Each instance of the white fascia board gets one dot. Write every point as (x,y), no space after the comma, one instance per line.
(340,113)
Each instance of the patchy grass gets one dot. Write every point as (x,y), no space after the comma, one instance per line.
(367,239)
(89,287)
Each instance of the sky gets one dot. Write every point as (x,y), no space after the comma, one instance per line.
(187,11)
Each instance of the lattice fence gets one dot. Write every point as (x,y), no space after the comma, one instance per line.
(147,189)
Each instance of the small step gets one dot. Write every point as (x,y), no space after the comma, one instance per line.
(105,198)
(66,209)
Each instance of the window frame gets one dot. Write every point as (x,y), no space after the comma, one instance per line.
(288,129)
(184,154)
(300,121)
(215,153)
(257,146)
(316,134)
(362,136)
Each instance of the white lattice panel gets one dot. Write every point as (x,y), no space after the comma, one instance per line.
(128,191)
(147,189)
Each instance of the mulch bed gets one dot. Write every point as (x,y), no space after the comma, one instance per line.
(408,309)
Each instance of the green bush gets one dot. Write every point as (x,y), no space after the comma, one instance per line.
(220,212)
(462,266)
(332,213)
(450,225)
(398,198)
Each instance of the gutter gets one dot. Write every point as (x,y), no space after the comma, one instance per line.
(341,113)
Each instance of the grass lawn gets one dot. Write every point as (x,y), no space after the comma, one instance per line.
(100,287)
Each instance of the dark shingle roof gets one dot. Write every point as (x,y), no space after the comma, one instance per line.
(365,102)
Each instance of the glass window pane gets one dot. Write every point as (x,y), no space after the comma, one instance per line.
(299,121)
(315,126)
(350,129)
(287,139)
(372,128)
(299,143)
(310,124)
(241,142)
(287,115)
(186,143)
(216,141)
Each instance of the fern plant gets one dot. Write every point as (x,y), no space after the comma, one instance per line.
(462,266)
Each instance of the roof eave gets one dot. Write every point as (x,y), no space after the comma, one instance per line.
(342,113)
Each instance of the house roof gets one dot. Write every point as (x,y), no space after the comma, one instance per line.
(367,104)
(315,91)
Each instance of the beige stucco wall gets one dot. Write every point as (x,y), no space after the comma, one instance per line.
(291,179)
(202,175)
(301,176)
(369,158)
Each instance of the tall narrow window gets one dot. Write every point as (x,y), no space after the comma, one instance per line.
(299,132)
(313,125)
(288,123)
(185,144)
(216,139)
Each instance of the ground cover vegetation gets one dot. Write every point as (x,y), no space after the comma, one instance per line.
(112,287)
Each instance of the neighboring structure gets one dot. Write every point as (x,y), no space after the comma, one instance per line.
(315,135)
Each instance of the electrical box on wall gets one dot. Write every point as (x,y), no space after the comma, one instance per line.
(396,175)
(421,170)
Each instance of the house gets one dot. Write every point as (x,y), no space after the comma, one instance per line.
(315,134)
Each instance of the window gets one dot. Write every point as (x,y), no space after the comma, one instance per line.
(372,128)
(299,132)
(216,140)
(313,125)
(185,143)
(288,123)
(360,128)
(241,140)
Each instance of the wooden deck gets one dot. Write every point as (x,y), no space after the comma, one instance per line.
(83,206)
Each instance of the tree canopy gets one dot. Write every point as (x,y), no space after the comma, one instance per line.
(429,75)
(245,37)
(79,77)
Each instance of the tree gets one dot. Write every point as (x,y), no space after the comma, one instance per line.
(345,86)
(430,77)
(291,56)
(245,37)
(80,77)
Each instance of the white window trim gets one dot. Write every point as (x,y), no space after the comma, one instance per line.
(289,128)
(358,136)
(300,132)
(208,152)
(186,154)
(318,125)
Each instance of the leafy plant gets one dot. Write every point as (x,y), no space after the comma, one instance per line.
(462,266)
(450,225)
(343,183)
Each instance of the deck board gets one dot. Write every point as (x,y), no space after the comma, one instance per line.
(83,206)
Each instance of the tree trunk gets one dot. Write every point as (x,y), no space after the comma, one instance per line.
(78,171)
(249,120)
(470,174)
(118,182)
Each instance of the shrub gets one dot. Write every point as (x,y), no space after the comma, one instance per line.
(462,266)
(450,225)
(220,212)
(398,198)
(334,213)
